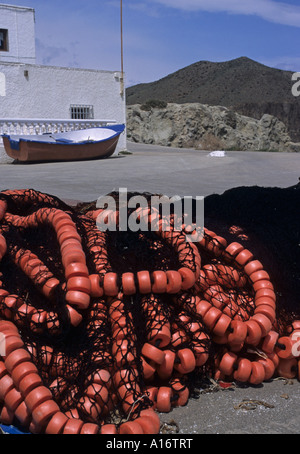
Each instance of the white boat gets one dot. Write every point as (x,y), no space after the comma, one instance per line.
(92,143)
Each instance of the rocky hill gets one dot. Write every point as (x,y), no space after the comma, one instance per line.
(203,127)
(242,85)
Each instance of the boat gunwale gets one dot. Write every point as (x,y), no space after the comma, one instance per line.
(84,142)
(28,150)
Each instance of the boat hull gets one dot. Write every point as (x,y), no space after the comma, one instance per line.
(39,151)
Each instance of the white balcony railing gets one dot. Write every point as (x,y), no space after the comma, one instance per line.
(27,126)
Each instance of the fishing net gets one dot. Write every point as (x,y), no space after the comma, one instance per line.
(100,330)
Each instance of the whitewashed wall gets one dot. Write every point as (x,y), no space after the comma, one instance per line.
(20,23)
(48,92)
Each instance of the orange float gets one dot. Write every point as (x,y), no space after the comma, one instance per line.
(164,397)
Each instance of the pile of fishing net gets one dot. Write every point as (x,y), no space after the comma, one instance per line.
(100,331)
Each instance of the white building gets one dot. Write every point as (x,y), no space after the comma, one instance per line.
(38,97)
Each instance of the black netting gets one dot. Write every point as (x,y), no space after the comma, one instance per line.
(108,327)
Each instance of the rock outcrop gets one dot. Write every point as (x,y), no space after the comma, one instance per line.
(242,85)
(200,126)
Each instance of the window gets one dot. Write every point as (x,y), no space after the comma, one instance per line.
(3,40)
(81,112)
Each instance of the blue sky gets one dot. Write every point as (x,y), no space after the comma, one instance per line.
(162,36)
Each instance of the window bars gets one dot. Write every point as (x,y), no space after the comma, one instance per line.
(81,112)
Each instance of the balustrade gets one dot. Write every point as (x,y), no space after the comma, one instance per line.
(28,126)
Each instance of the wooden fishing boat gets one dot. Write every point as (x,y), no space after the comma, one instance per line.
(92,143)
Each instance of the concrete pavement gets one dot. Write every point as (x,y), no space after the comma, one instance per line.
(157,170)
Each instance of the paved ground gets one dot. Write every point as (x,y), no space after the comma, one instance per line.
(193,173)
(271,408)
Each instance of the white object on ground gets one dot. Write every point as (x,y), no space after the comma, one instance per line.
(217,154)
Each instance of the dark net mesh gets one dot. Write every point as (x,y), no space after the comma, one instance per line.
(120,322)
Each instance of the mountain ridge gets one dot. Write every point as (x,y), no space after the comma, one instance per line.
(242,84)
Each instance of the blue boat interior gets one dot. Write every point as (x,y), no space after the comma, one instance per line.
(12,430)
(64,138)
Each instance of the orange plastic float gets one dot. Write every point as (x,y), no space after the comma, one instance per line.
(185,361)
(243,370)
(165,369)
(163,399)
